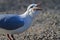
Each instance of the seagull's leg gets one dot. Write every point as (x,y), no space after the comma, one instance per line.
(12,36)
(9,37)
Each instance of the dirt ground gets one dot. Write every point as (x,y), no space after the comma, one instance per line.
(46,26)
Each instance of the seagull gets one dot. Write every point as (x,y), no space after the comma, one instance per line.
(15,24)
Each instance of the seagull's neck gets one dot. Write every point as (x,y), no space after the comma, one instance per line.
(28,14)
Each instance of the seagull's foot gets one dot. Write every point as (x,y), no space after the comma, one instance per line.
(10,37)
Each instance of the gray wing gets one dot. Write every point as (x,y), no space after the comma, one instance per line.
(10,22)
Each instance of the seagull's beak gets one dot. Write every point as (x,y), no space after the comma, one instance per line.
(38,7)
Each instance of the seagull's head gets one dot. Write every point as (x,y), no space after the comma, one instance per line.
(34,9)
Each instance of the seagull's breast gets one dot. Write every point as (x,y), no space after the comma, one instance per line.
(27,23)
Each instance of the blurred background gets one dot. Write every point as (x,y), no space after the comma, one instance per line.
(46,26)
(8,5)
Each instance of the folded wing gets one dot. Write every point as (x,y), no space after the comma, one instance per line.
(11,22)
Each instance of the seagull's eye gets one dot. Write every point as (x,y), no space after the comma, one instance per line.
(31,7)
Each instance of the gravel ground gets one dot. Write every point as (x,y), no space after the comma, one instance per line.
(46,26)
